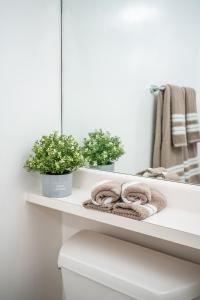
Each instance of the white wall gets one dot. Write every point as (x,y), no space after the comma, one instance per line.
(29,107)
(112,52)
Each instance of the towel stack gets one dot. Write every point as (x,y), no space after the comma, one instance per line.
(133,200)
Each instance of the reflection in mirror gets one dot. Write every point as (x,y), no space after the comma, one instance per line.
(132,68)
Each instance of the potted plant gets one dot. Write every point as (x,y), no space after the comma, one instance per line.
(55,157)
(101,150)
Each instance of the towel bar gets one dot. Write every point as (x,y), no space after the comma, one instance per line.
(155,88)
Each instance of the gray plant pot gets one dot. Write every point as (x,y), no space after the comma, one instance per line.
(107,168)
(57,186)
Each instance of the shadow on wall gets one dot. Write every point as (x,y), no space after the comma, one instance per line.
(44,239)
(43,259)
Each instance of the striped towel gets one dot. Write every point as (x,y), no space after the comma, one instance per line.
(178,114)
(175,141)
(192,120)
(139,211)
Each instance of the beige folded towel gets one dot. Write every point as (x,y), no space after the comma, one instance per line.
(141,211)
(192,119)
(158,173)
(104,208)
(139,206)
(105,193)
(135,192)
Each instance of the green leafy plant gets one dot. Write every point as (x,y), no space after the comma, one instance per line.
(55,154)
(100,148)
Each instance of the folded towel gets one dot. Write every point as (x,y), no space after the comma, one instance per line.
(139,211)
(105,193)
(140,203)
(104,208)
(192,119)
(178,111)
(158,173)
(135,192)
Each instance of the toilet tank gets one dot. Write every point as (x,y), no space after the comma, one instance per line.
(99,267)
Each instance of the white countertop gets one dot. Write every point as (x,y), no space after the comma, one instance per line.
(172,224)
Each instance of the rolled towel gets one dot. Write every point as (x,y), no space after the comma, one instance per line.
(138,211)
(136,192)
(105,193)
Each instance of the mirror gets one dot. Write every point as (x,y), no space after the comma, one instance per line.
(125,65)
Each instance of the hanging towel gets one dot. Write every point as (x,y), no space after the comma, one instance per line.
(165,154)
(192,120)
(157,149)
(178,126)
(170,153)
(191,164)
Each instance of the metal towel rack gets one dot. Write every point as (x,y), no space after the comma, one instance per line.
(156,88)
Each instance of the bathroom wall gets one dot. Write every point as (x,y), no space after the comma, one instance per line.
(112,52)
(29,107)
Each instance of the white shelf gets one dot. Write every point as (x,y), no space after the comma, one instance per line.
(177,219)
(171,224)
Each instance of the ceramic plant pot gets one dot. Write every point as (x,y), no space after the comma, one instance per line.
(107,168)
(57,186)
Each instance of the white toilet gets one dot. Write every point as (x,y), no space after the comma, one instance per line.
(98,267)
